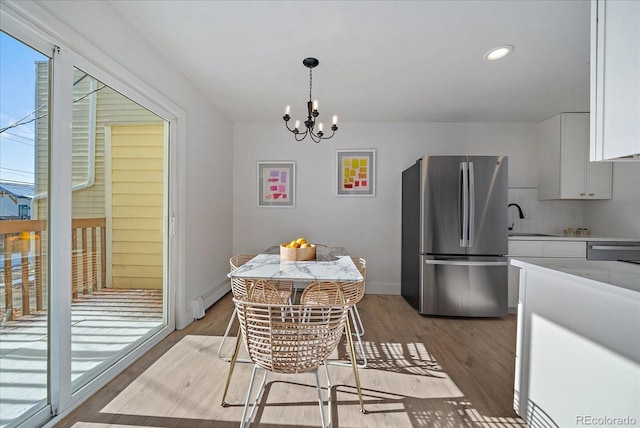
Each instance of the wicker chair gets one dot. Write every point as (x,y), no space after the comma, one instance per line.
(316,293)
(284,290)
(290,339)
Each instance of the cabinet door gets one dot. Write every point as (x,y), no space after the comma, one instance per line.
(615,79)
(565,249)
(573,155)
(599,180)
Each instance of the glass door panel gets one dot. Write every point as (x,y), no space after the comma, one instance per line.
(118,243)
(24,206)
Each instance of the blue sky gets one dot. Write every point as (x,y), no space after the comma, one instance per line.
(17,100)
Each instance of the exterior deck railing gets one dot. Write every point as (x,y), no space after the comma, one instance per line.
(24,237)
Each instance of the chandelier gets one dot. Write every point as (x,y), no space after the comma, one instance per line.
(312,113)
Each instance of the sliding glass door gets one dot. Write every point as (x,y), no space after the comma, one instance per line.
(84,241)
(24,209)
(118,206)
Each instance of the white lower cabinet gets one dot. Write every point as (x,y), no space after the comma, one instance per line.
(539,249)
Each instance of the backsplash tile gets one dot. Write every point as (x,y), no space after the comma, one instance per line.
(550,217)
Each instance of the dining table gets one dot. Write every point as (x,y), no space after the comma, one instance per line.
(331,264)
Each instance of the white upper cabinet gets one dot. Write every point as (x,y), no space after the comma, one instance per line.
(615,80)
(564,170)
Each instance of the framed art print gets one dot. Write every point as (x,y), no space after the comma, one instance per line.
(276,184)
(356,171)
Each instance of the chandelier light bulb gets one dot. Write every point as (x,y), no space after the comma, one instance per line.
(297,124)
(320,127)
(335,120)
(315,105)
(287,109)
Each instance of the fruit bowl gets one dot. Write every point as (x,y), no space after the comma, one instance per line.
(293,254)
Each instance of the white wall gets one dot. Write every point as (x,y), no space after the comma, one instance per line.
(204,145)
(367,227)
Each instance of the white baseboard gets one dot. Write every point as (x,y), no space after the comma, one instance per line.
(382,288)
(216,293)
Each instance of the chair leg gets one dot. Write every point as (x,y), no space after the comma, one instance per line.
(234,358)
(226,334)
(354,365)
(320,401)
(247,421)
(358,336)
(359,327)
(329,397)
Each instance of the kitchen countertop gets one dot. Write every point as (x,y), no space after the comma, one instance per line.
(624,277)
(577,320)
(552,237)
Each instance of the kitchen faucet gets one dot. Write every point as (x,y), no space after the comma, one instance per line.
(520,213)
(519,209)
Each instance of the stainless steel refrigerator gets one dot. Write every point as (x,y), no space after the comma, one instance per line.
(454,235)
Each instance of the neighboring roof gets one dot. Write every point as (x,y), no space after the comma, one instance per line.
(17,190)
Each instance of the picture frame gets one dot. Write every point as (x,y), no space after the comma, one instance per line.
(356,172)
(276,184)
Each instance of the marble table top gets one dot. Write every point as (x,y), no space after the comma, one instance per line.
(331,264)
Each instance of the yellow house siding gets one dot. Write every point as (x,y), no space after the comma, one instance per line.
(42,140)
(135,188)
(111,108)
(137,206)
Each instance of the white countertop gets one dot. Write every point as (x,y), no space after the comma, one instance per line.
(625,276)
(573,238)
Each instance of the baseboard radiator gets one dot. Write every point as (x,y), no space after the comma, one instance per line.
(200,304)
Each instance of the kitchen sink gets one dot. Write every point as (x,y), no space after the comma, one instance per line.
(528,234)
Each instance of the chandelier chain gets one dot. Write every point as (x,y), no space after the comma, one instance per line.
(310,82)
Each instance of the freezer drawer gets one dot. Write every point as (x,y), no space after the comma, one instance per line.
(467,288)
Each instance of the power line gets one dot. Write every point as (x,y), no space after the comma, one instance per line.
(17,171)
(23,121)
(7,181)
(12,138)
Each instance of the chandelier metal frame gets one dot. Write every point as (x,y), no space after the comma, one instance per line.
(312,113)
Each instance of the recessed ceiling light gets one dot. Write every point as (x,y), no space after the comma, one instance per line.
(499,52)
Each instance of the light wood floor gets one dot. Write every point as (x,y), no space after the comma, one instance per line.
(423,371)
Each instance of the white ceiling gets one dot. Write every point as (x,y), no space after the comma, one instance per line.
(380,61)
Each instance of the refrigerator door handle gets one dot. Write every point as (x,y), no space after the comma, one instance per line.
(472,205)
(463,198)
(464,263)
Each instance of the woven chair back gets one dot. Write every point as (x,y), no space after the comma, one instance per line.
(287,338)
(325,293)
(240,286)
(290,338)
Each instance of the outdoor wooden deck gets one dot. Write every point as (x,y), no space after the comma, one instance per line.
(104,325)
